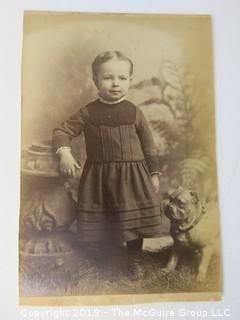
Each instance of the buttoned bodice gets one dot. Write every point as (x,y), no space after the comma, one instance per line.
(116,132)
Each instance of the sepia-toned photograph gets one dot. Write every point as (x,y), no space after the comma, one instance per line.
(119,196)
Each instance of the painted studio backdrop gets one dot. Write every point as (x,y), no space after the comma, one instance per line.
(173,86)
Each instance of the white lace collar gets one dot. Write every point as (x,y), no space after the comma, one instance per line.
(112,102)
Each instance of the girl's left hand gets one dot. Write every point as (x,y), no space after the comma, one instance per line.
(156,181)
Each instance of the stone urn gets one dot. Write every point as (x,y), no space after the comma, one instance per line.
(47,202)
(47,210)
(40,160)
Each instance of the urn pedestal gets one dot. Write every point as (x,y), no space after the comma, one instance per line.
(46,214)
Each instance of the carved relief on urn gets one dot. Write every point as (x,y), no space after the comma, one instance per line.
(47,211)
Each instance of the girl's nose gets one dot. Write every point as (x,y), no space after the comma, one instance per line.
(115,82)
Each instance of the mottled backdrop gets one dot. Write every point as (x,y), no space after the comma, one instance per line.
(172,84)
(172,73)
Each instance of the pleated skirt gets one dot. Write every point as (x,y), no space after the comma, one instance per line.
(117,201)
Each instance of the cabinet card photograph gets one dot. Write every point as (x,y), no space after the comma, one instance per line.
(119,199)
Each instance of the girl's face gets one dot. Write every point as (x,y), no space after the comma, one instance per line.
(113,79)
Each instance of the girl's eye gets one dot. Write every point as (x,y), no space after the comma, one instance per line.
(123,78)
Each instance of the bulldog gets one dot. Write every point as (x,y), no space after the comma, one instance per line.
(193,226)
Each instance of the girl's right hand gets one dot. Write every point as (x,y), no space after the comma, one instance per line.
(68,165)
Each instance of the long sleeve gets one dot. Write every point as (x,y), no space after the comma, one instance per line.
(147,142)
(69,129)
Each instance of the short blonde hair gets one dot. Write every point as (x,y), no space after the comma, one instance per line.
(109,55)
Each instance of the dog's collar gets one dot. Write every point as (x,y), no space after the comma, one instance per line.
(193,223)
(181,229)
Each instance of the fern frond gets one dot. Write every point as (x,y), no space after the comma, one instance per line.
(191,169)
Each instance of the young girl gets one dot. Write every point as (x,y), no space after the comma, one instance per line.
(120,178)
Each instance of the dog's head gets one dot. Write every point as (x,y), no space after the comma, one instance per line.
(182,206)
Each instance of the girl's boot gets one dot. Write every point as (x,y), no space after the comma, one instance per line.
(134,248)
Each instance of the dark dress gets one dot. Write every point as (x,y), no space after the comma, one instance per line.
(116,195)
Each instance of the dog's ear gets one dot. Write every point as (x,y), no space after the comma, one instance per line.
(195,198)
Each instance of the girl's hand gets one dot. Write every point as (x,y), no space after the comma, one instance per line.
(156,181)
(68,165)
